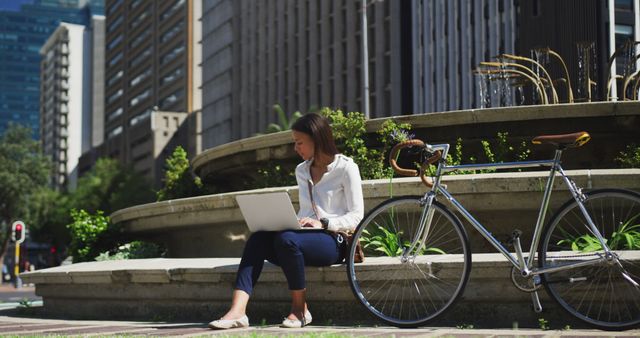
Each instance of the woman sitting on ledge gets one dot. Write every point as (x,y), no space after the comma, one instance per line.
(330,195)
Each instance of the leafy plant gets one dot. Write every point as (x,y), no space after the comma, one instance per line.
(630,157)
(25,303)
(284,122)
(389,243)
(90,235)
(274,174)
(626,237)
(178,180)
(349,132)
(498,152)
(543,324)
(133,250)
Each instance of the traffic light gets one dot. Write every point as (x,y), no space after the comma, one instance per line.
(18,230)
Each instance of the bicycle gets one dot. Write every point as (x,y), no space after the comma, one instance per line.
(588,255)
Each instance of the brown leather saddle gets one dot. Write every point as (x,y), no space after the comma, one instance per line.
(572,140)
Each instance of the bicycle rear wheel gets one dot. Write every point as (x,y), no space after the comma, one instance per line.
(409,292)
(606,294)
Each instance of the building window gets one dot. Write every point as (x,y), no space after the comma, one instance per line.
(140,97)
(176,6)
(140,18)
(624,4)
(140,38)
(115,78)
(175,74)
(623,34)
(136,80)
(140,117)
(115,42)
(172,32)
(115,96)
(115,6)
(115,23)
(114,132)
(171,99)
(172,54)
(134,4)
(112,115)
(114,60)
(140,57)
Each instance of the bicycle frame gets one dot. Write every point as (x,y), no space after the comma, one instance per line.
(524,265)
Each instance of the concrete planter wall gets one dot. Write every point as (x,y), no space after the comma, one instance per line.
(212,226)
(612,125)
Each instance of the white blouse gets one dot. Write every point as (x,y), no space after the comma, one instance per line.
(338,194)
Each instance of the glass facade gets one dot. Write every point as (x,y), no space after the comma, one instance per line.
(22,34)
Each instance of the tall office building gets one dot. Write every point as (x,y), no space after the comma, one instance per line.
(67,100)
(22,33)
(308,53)
(152,62)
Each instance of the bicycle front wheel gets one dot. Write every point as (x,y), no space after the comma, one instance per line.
(409,290)
(605,294)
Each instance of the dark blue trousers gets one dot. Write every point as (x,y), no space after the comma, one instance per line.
(291,250)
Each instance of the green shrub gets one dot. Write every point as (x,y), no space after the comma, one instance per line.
(178,180)
(630,157)
(284,122)
(274,174)
(349,132)
(133,250)
(499,151)
(350,136)
(90,235)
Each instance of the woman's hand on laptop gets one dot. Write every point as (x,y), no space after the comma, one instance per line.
(307,222)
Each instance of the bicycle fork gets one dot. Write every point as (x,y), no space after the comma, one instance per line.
(422,232)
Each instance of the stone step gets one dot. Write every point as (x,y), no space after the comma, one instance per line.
(200,289)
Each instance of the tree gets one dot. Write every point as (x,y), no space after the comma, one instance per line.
(110,186)
(178,180)
(48,217)
(23,171)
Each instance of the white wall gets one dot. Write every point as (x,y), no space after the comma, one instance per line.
(77,107)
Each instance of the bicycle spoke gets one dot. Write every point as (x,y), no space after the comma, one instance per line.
(606,294)
(415,288)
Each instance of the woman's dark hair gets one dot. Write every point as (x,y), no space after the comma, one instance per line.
(319,129)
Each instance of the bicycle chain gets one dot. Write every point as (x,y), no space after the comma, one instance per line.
(574,256)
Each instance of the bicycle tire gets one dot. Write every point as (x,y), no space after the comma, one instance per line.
(602,294)
(410,293)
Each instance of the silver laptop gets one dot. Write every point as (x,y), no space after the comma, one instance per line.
(268,212)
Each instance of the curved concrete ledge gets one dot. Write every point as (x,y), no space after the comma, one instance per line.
(212,226)
(611,123)
(200,289)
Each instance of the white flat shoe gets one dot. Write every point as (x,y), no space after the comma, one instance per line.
(230,323)
(294,323)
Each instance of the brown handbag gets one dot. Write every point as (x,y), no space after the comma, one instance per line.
(340,236)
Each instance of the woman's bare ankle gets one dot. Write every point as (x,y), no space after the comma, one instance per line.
(233,314)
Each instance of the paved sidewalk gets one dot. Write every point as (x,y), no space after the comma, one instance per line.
(10,326)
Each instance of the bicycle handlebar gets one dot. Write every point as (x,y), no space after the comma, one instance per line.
(423,166)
